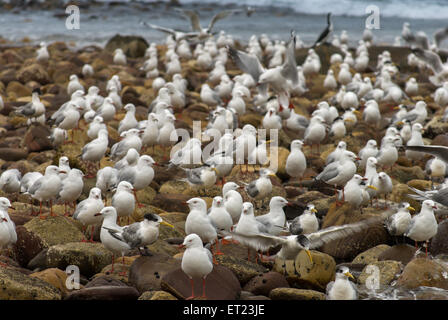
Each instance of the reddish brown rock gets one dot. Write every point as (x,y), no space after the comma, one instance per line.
(400,252)
(104,293)
(28,245)
(439,243)
(33,72)
(423,272)
(264,283)
(36,138)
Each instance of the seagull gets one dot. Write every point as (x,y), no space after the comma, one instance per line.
(279,78)
(315,132)
(131,139)
(398,223)
(306,223)
(219,216)
(86,211)
(74,85)
(140,234)
(325,33)
(129,121)
(203,33)
(33,109)
(112,244)
(233,201)
(259,189)
(439,196)
(95,150)
(296,161)
(336,154)
(353,191)
(8,235)
(58,136)
(47,187)
(434,62)
(436,168)
(106,180)
(416,140)
(123,199)
(71,188)
(424,225)
(197,261)
(203,177)
(95,126)
(370,150)
(10,181)
(178,35)
(274,221)
(342,288)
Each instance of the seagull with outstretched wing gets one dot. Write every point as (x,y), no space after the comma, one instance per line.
(177,35)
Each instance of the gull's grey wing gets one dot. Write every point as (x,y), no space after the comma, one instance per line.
(115,233)
(326,235)
(118,149)
(194,19)
(217,17)
(130,235)
(441,197)
(26,110)
(247,63)
(329,172)
(36,185)
(440,35)
(251,189)
(437,151)
(329,286)
(194,175)
(79,208)
(159,28)
(127,174)
(295,227)
(431,58)
(262,240)
(289,68)
(60,117)
(411,116)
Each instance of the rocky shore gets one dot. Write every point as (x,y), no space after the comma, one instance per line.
(38,262)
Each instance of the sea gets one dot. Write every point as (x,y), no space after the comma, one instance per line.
(100,20)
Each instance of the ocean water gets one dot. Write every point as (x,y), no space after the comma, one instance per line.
(103,19)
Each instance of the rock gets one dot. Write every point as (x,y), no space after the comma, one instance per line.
(56,277)
(90,258)
(348,248)
(400,252)
(28,245)
(36,138)
(104,293)
(15,285)
(105,280)
(221,284)
(132,46)
(295,294)
(183,187)
(157,295)
(405,174)
(12,154)
(243,269)
(371,255)
(388,271)
(305,274)
(146,273)
(264,283)
(55,230)
(249,296)
(171,202)
(33,72)
(16,90)
(439,243)
(19,219)
(440,140)
(435,127)
(423,272)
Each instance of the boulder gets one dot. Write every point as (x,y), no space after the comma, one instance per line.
(33,72)
(55,230)
(157,295)
(13,154)
(220,284)
(105,280)
(15,285)
(104,293)
(36,138)
(424,272)
(244,270)
(264,283)
(405,174)
(90,258)
(146,273)
(16,89)
(371,255)
(28,245)
(295,294)
(400,252)
(439,243)
(302,273)
(54,276)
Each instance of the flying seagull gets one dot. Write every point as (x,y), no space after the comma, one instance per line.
(326,33)
(177,35)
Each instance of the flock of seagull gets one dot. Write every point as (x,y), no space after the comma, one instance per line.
(264,89)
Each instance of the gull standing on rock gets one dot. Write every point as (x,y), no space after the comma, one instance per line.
(86,211)
(129,121)
(274,221)
(10,181)
(416,140)
(259,189)
(95,150)
(33,109)
(221,219)
(398,223)
(342,288)
(296,161)
(123,200)
(72,187)
(8,235)
(131,139)
(197,261)
(119,57)
(306,223)
(315,132)
(106,180)
(370,150)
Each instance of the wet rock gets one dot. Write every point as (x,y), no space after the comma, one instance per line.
(55,230)
(371,255)
(36,138)
(424,272)
(221,284)
(104,293)
(28,245)
(33,72)
(105,280)
(295,294)
(439,243)
(90,258)
(56,277)
(15,285)
(400,252)
(244,270)
(264,283)
(146,273)
(388,271)
(157,295)
(303,273)
(132,46)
